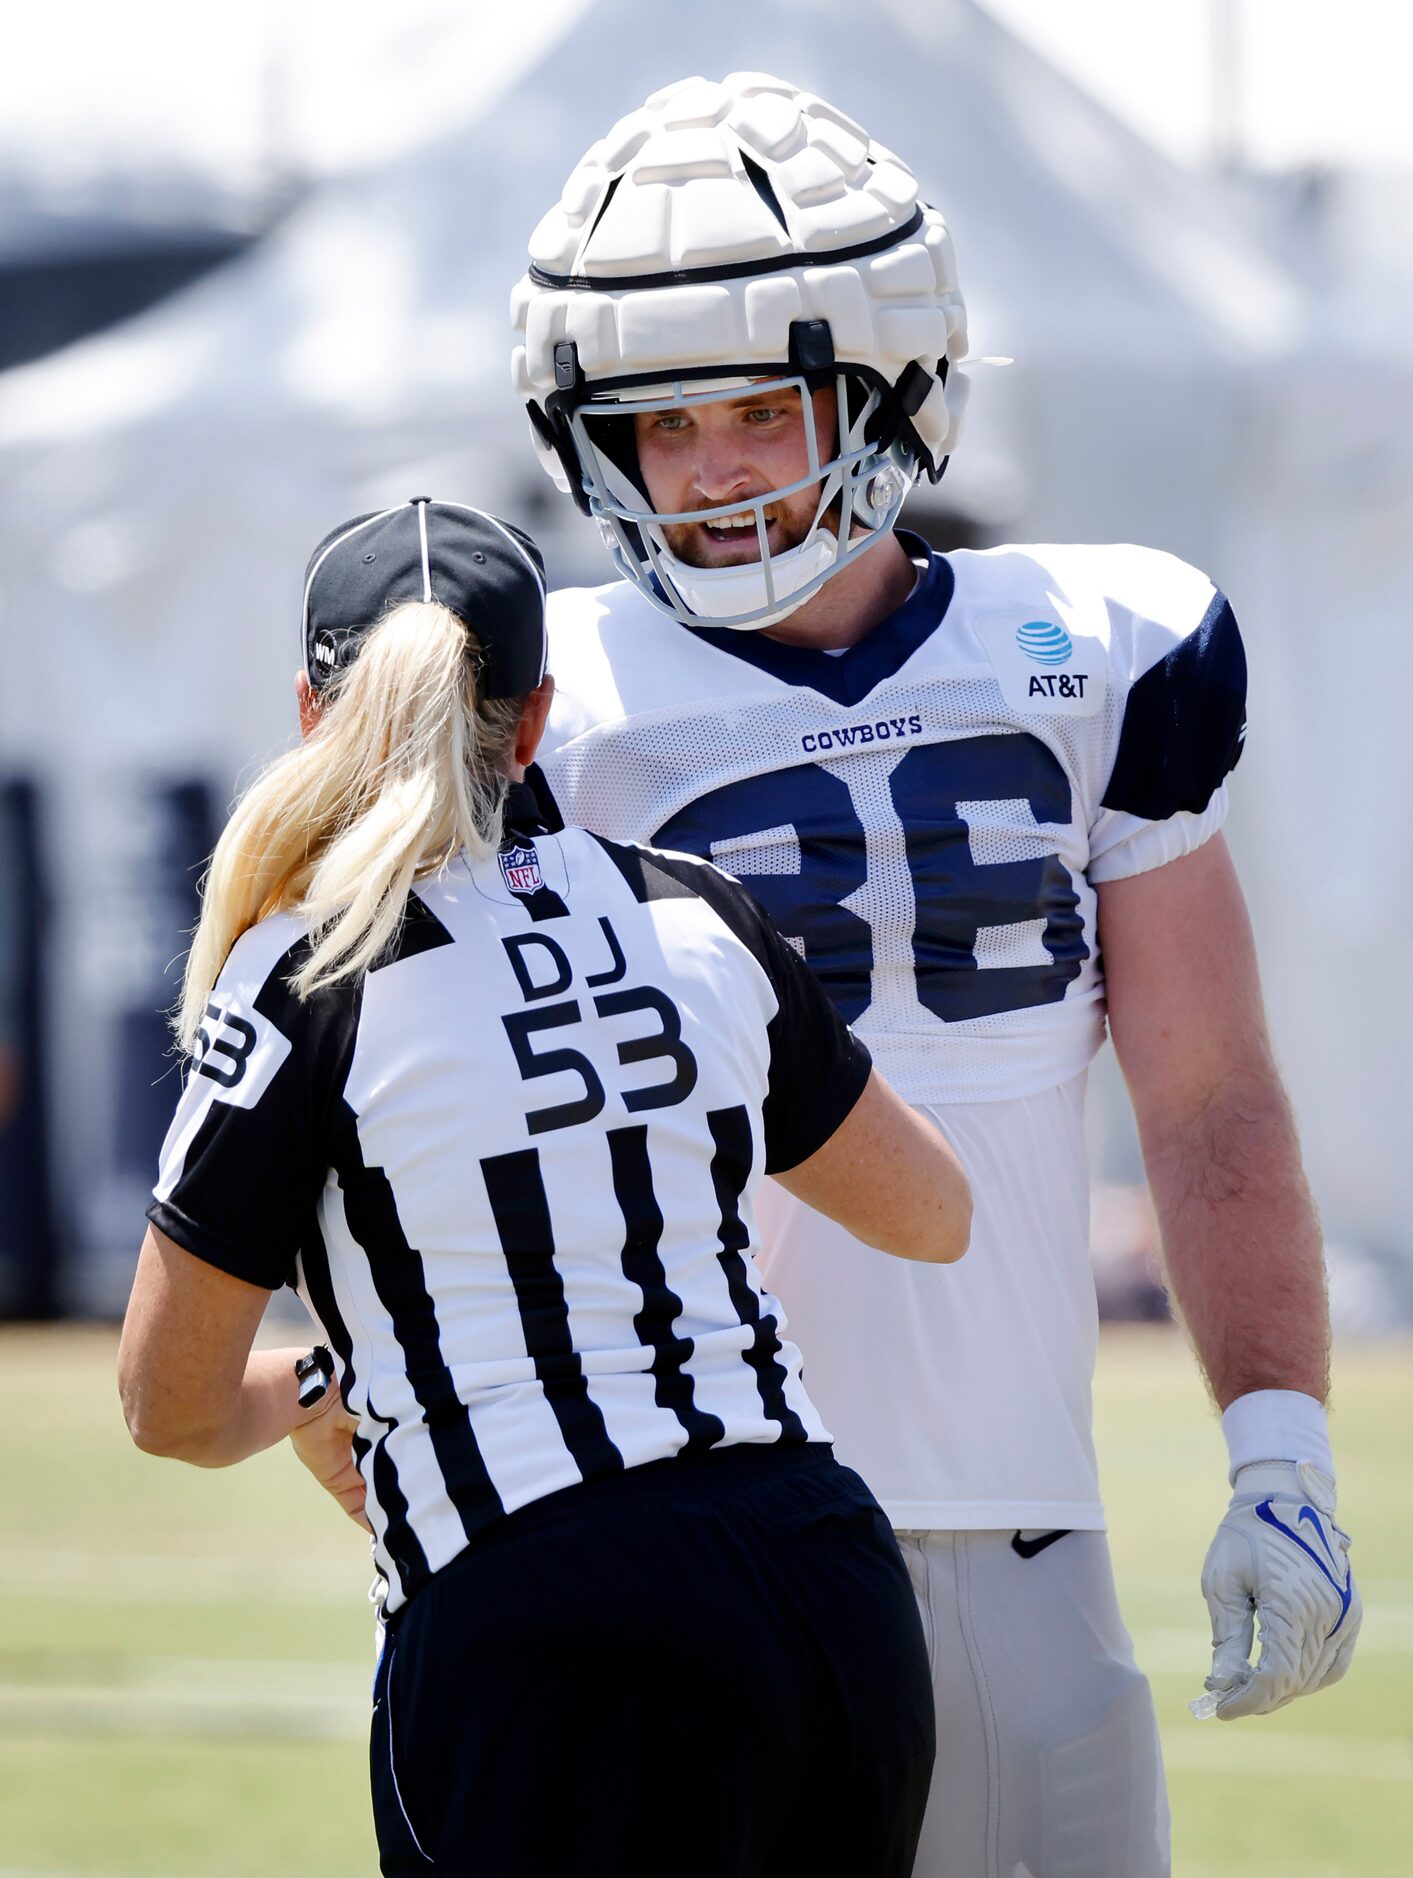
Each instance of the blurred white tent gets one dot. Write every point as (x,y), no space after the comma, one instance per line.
(164,484)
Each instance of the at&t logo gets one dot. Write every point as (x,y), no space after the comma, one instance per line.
(1047,643)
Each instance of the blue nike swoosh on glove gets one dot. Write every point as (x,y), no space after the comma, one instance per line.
(1308,1512)
(1345,1590)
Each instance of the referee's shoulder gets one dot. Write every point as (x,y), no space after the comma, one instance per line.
(665,874)
(254,990)
(258,979)
(265,953)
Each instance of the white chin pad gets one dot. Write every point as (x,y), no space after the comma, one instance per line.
(724,593)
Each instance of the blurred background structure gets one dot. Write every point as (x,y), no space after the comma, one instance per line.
(256,268)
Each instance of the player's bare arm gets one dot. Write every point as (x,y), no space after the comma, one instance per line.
(887,1174)
(1240,1236)
(1242,1246)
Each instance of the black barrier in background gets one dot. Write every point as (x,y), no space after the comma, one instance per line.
(163,839)
(29,1241)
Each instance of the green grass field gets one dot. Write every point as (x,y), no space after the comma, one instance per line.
(172,1707)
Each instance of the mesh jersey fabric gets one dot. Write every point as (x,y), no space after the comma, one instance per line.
(927,839)
(511,1171)
(926,818)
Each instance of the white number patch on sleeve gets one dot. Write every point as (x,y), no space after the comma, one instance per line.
(236,1057)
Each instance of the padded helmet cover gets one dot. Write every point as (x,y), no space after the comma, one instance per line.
(789,212)
(741,231)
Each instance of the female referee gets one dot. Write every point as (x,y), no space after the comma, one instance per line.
(496,1096)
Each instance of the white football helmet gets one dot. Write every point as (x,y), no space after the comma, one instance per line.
(741,233)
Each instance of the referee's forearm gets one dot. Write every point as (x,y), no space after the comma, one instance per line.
(265,1410)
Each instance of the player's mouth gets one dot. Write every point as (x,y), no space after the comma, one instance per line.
(735,538)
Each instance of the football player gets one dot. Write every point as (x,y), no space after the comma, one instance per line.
(983,794)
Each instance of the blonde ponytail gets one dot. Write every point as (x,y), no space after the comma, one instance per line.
(401,772)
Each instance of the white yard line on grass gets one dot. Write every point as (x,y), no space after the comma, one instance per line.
(1171,1649)
(130,1577)
(12,1871)
(1212,1748)
(198,1696)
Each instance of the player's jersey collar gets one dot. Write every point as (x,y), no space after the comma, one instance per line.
(848,677)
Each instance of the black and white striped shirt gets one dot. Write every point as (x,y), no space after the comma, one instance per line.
(511,1171)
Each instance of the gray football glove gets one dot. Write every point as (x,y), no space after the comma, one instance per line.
(1279,1556)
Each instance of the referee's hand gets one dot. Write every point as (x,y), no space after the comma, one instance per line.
(325,1445)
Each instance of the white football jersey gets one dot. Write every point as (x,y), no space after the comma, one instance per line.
(925,816)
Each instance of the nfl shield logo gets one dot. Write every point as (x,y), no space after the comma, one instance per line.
(521,869)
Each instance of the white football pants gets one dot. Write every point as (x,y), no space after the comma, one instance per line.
(1048,1760)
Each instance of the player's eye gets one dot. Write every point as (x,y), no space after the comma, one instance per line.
(670,421)
(758,414)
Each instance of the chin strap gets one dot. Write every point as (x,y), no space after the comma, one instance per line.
(723,593)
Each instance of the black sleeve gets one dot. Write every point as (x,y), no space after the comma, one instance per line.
(1183,723)
(244,1160)
(818,1067)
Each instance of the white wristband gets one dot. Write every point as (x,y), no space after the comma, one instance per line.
(1277,1425)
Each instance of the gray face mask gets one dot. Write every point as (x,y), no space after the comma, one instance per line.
(861,489)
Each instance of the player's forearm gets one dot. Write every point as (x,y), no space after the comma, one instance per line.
(263,1411)
(1241,1239)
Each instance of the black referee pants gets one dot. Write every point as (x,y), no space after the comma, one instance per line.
(699,1669)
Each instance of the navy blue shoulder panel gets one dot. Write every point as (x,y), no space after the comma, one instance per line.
(1183,723)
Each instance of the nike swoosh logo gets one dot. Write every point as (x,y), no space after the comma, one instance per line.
(1265,1512)
(1028,1548)
(1308,1513)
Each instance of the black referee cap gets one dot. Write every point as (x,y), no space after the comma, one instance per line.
(487,572)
